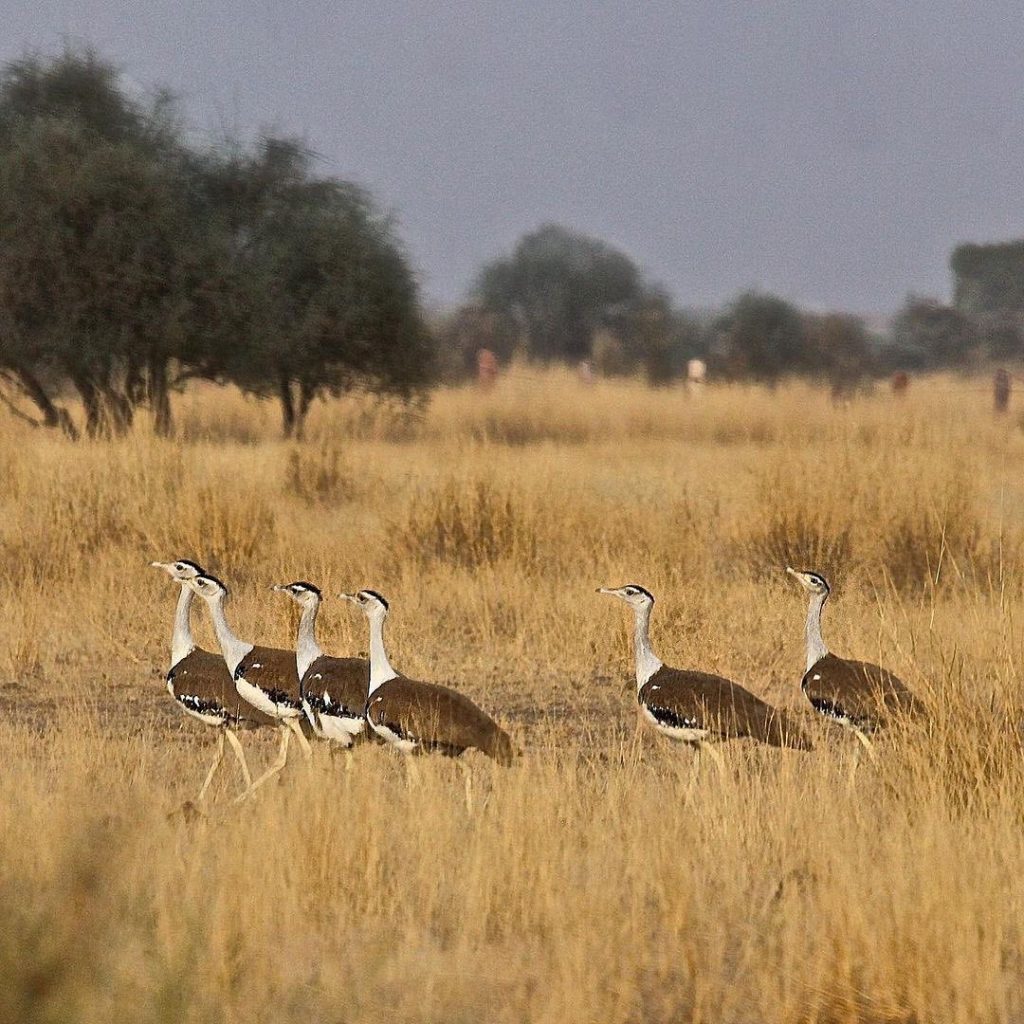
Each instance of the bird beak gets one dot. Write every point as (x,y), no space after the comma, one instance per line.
(349,597)
(277,586)
(798,576)
(608,590)
(159,565)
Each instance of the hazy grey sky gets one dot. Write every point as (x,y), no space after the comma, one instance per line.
(832,152)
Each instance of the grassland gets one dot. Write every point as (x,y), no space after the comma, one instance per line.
(596,880)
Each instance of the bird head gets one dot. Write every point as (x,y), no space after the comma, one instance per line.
(182,570)
(370,601)
(632,593)
(209,587)
(305,595)
(813,582)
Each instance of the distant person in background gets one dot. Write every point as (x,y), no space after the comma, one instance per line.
(696,375)
(486,368)
(1001,391)
(900,383)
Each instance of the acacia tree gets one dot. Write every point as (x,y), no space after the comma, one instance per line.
(92,242)
(838,348)
(556,289)
(926,333)
(129,262)
(761,336)
(322,293)
(90,275)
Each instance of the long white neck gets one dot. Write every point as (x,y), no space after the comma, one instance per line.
(307,650)
(380,668)
(647,662)
(816,649)
(182,644)
(233,649)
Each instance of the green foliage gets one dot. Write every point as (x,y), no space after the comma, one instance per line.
(129,260)
(1001,333)
(79,87)
(989,278)
(318,286)
(93,263)
(838,348)
(760,336)
(556,289)
(928,334)
(562,295)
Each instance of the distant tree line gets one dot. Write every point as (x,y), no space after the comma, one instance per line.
(561,295)
(564,296)
(132,261)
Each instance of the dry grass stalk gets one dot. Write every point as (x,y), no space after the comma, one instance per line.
(593,881)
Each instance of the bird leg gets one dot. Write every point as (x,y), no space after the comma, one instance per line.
(282,758)
(240,754)
(467,773)
(638,736)
(293,724)
(866,743)
(213,767)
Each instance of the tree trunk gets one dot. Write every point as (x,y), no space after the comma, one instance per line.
(284,391)
(160,399)
(135,383)
(96,424)
(53,414)
(120,413)
(305,401)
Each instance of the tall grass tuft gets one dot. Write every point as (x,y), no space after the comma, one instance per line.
(934,539)
(465,524)
(604,877)
(316,475)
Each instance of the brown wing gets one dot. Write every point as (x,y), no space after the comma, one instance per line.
(437,718)
(340,684)
(201,682)
(857,690)
(273,671)
(687,699)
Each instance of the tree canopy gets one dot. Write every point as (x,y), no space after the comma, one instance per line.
(562,295)
(130,261)
(760,336)
(556,288)
(927,334)
(988,278)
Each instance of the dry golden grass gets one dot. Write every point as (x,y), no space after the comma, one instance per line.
(594,881)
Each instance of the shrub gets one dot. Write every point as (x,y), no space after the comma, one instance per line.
(465,524)
(317,475)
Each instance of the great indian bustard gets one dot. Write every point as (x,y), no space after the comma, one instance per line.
(266,677)
(697,707)
(858,695)
(417,717)
(333,689)
(200,683)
